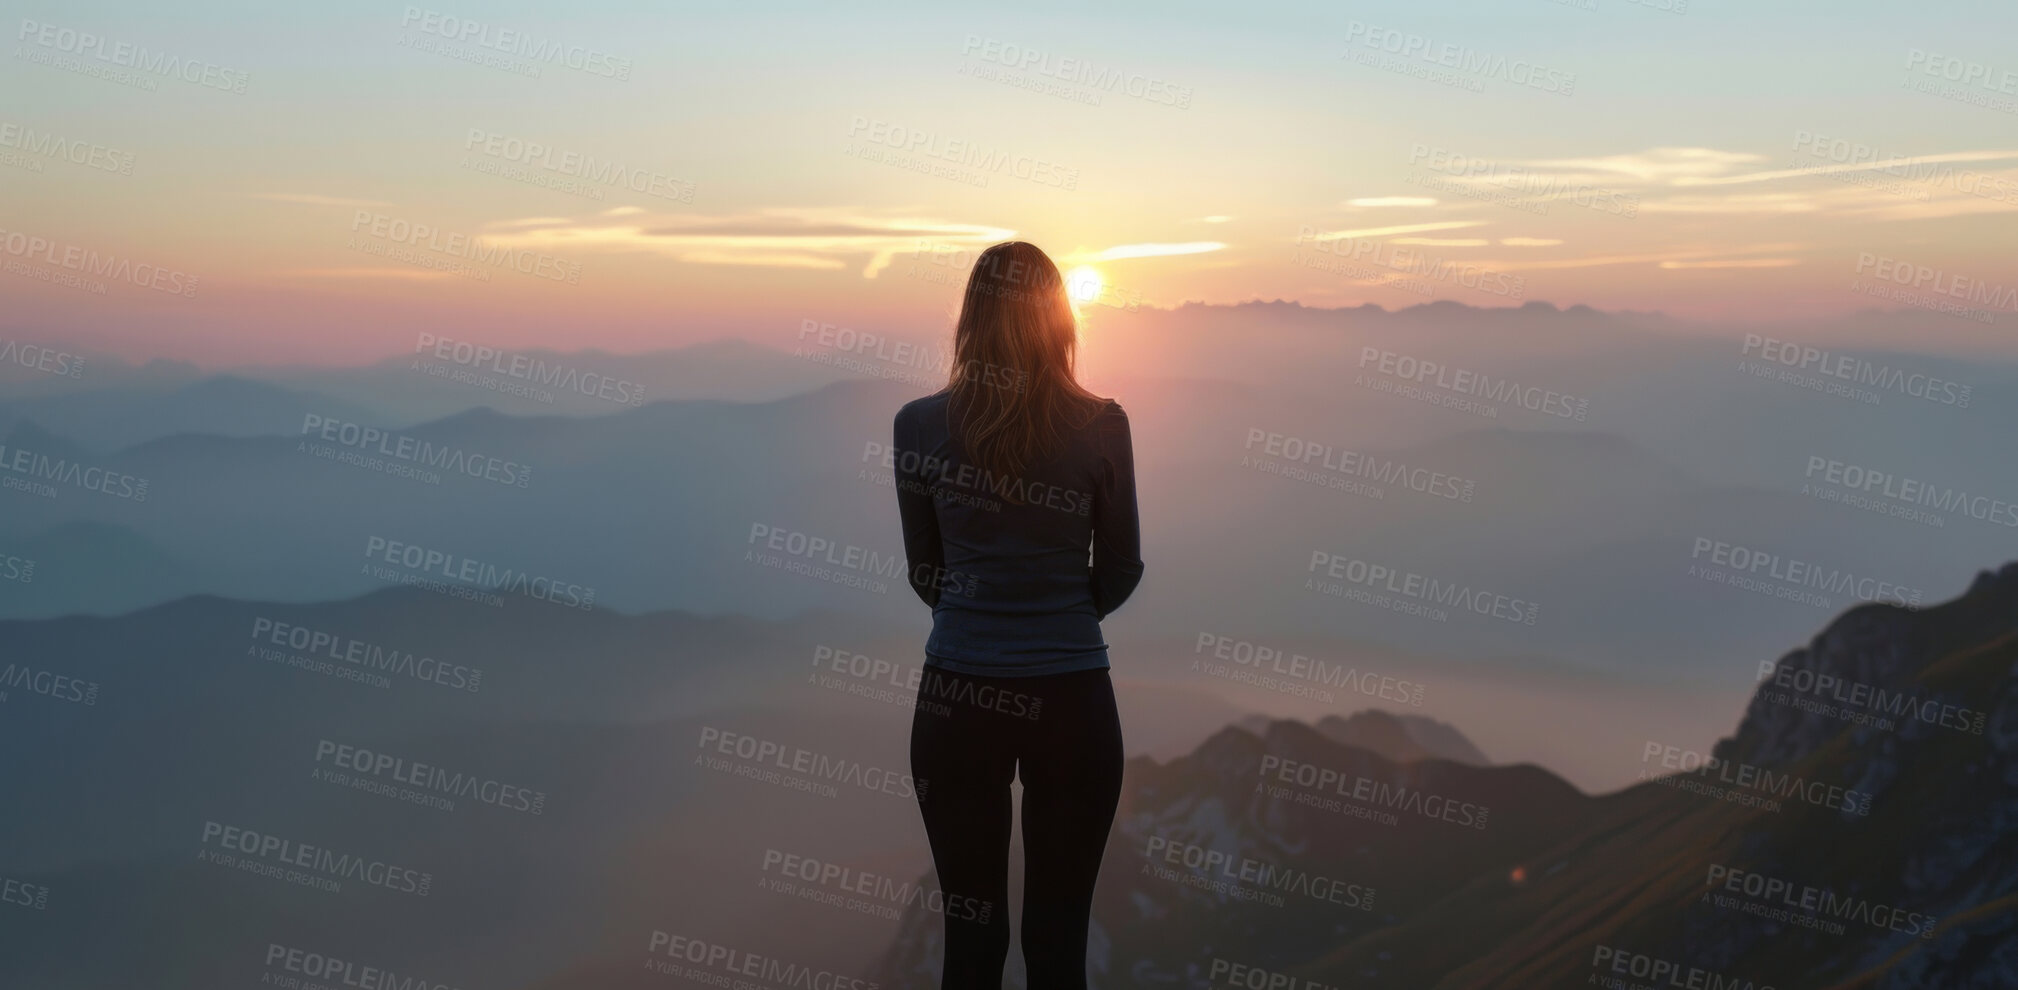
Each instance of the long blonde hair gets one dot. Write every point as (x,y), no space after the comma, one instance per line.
(1014,392)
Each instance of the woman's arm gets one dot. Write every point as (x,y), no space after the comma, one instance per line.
(922,551)
(1117,532)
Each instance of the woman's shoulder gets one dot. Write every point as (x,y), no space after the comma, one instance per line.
(1099,422)
(923,406)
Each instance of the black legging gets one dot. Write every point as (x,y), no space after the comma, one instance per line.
(969,738)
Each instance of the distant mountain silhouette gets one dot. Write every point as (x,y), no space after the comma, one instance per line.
(1398,738)
(730,369)
(1591,525)
(97,568)
(1402,738)
(106,420)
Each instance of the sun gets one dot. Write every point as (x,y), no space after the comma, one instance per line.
(1083,284)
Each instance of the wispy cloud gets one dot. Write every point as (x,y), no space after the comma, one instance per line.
(1913,168)
(1748,204)
(1407,228)
(1655,166)
(1125,251)
(1682,181)
(1925,187)
(761,260)
(1444,241)
(316,199)
(1529,241)
(1377,201)
(779,237)
(1590,261)
(1730,256)
(1734,263)
(531,222)
(397,274)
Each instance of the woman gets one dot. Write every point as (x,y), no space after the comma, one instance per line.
(1005,478)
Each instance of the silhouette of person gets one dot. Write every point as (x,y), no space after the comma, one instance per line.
(1016,488)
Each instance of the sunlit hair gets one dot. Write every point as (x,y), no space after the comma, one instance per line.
(1014,394)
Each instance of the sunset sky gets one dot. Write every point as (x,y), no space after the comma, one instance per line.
(786,162)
